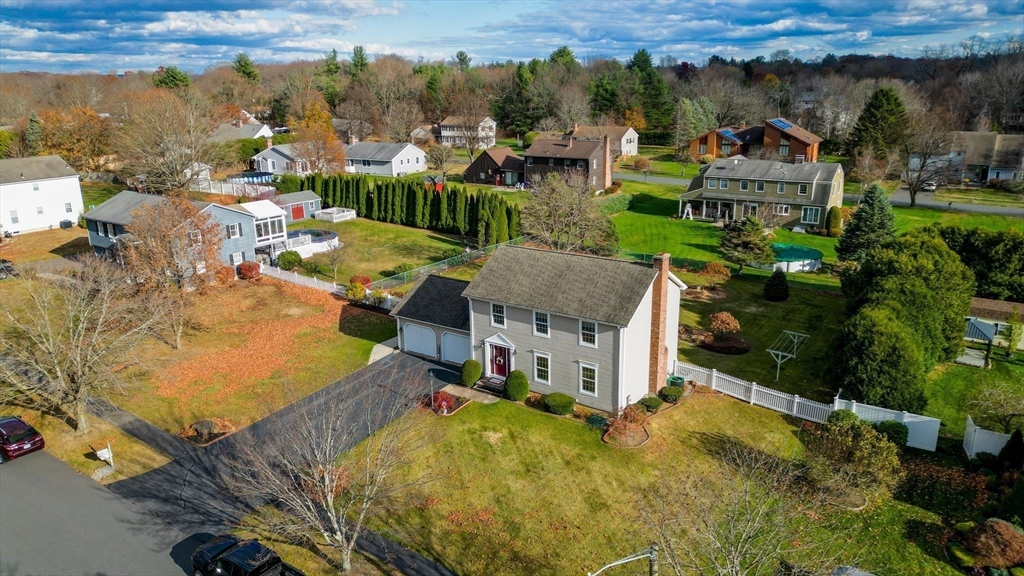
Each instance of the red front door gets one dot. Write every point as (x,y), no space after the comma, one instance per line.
(297,213)
(499,361)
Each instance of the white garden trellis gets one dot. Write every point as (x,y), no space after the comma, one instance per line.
(785,347)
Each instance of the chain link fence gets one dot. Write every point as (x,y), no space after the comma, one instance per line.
(404,278)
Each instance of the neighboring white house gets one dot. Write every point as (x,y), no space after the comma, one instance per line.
(384,159)
(239,130)
(38,193)
(454,130)
(280,159)
(624,140)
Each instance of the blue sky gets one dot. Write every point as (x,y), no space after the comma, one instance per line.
(117,35)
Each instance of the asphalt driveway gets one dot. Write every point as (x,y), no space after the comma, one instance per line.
(55,521)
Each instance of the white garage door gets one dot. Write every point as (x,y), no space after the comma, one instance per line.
(455,348)
(419,340)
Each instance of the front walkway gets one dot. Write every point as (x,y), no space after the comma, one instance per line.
(470,394)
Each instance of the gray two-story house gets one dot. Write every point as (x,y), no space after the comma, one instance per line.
(601,330)
(734,188)
(249,229)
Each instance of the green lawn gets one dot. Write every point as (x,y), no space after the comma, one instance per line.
(761,322)
(663,163)
(372,248)
(985,196)
(951,387)
(96,193)
(907,218)
(522,492)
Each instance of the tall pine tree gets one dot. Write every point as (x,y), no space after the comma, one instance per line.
(872,225)
(33,135)
(882,126)
(461,216)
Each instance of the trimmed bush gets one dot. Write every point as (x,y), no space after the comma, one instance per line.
(528,138)
(288,260)
(776,289)
(517,387)
(705,159)
(471,372)
(840,416)
(355,291)
(597,421)
(671,394)
(853,455)
(451,253)
(834,222)
(613,203)
(721,323)
(249,270)
(714,273)
(896,432)
(651,403)
(224,274)
(359,279)
(441,402)
(401,269)
(558,403)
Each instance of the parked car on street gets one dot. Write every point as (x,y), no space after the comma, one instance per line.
(7,269)
(228,555)
(929,186)
(18,438)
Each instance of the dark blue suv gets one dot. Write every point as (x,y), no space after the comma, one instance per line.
(231,556)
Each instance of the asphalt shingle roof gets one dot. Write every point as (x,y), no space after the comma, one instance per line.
(34,168)
(579,149)
(576,285)
(118,210)
(436,300)
(771,170)
(295,197)
(227,132)
(285,149)
(380,151)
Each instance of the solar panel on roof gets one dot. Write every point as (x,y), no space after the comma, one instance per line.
(727,132)
(781,124)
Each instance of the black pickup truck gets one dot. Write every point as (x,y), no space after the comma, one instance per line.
(230,556)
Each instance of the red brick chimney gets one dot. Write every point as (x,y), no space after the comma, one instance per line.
(658,369)
(742,125)
(270,143)
(607,162)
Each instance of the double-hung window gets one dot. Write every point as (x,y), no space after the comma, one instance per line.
(568,163)
(551,161)
(801,189)
(529,161)
(541,326)
(542,367)
(781,188)
(810,215)
(783,147)
(759,187)
(39,209)
(588,333)
(702,148)
(723,184)
(67,207)
(744,185)
(110,230)
(237,258)
(498,315)
(234,230)
(588,378)
(726,148)
(712,183)
(14,218)
(312,205)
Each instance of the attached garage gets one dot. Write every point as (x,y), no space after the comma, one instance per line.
(455,348)
(433,319)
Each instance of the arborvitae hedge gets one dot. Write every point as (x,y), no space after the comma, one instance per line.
(484,215)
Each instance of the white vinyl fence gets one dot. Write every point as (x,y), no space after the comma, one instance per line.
(243,189)
(923,432)
(978,440)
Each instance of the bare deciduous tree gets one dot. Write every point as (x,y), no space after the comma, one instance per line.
(73,337)
(165,136)
(172,251)
(1000,407)
(440,157)
(322,480)
(926,156)
(750,523)
(563,215)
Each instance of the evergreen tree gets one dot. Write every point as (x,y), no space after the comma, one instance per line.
(359,62)
(444,221)
(882,126)
(776,289)
(246,68)
(500,222)
(371,203)
(481,231)
(513,221)
(657,103)
(424,213)
(33,134)
(744,243)
(684,127)
(362,192)
(171,77)
(706,115)
(472,213)
(872,225)
(417,209)
(461,220)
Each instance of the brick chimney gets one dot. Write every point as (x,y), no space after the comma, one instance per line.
(742,125)
(607,162)
(575,127)
(270,143)
(351,138)
(658,369)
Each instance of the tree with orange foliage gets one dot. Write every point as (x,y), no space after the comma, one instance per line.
(173,250)
(635,119)
(318,146)
(78,135)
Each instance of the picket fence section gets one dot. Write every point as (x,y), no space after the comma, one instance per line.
(977,440)
(923,432)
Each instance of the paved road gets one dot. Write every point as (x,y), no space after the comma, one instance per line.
(55,521)
(681,182)
(927,200)
(189,493)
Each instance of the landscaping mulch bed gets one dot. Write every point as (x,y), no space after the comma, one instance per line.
(728,344)
(633,437)
(716,293)
(443,403)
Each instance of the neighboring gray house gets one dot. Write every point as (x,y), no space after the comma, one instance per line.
(237,130)
(603,331)
(433,320)
(384,159)
(249,229)
(280,159)
(298,205)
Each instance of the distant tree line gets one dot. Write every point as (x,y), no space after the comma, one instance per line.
(485,215)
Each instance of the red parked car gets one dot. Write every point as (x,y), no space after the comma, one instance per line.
(18,438)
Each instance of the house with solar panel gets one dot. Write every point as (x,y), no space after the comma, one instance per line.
(777,136)
(734,188)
